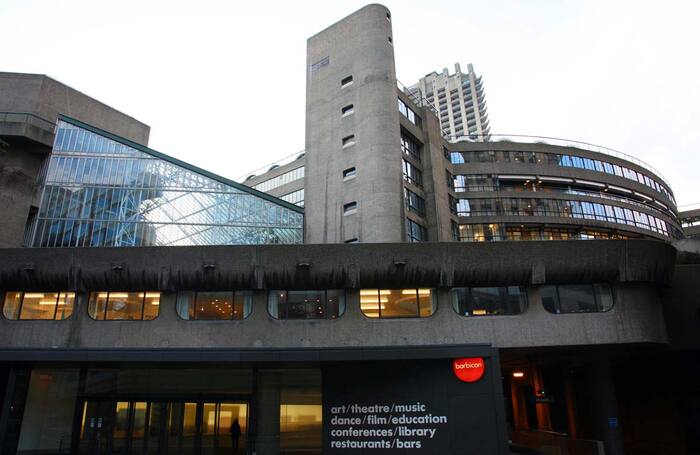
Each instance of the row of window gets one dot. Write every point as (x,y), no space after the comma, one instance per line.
(492,183)
(309,304)
(497,232)
(555,159)
(282,179)
(559,208)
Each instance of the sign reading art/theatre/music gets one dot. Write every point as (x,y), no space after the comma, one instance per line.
(429,406)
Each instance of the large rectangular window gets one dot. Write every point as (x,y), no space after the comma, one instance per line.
(397,303)
(124,306)
(38,305)
(577,298)
(489,301)
(282,179)
(214,306)
(321,304)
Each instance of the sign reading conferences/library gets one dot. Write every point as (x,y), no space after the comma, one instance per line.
(430,406)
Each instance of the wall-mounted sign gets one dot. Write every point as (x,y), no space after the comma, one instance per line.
(469,369)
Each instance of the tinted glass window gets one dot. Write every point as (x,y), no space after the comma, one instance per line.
(214,306)
(312,304)
(489,301)
(577,298)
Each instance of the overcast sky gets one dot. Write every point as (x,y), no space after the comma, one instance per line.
(222,83)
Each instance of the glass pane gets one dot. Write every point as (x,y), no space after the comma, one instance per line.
(121,425)
(65,305)
(138,431)
(576,298)
(185,305)
(242,304)
(300,427)
(550,298)
(155,426)
(208,425)
(10,308)
(233,425)
(604,296)
(335,304)
(426,302)
(97,305)
(151,306)
(189,424)
(370,301)
(49,411)
(38,305)
(214,305)
(399,303)
(125,306)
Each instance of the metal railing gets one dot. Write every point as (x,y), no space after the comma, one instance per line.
(29,118)
(562,143)
(263,169)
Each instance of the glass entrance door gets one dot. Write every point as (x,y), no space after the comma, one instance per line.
(159,427)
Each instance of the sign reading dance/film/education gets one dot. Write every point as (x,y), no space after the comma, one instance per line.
(411,405)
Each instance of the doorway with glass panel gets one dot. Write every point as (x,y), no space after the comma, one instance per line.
(164,427)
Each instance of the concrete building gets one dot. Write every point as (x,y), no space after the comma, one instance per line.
(201,334)
(459,101)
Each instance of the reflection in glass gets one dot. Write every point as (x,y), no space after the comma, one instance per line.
(101,192)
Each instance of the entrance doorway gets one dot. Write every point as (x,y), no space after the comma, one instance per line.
(163,427)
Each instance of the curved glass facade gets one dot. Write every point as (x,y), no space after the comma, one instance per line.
(101,192)
(536,207)
(556,159)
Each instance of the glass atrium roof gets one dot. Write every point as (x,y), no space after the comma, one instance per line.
(100,190)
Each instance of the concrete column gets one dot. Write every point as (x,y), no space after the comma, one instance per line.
(268,414)
(604,407)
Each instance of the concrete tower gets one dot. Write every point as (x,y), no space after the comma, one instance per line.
(353,176)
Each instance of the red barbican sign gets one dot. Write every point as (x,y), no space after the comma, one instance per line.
(470,369)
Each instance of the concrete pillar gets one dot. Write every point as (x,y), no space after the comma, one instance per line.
(268,413)
(604,407)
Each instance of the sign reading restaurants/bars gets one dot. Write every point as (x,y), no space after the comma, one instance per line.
(417,405)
